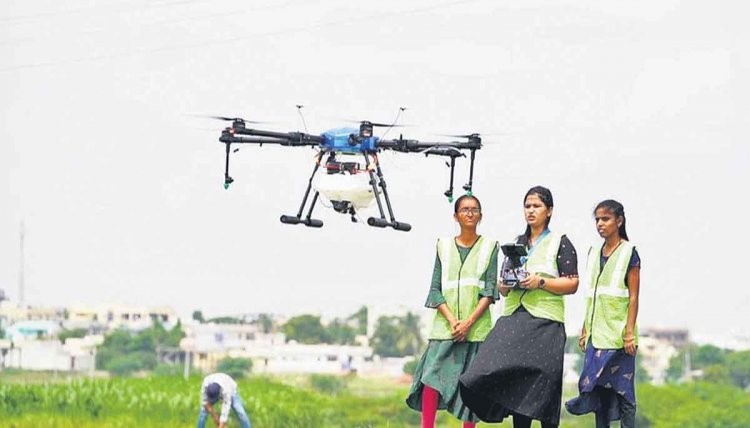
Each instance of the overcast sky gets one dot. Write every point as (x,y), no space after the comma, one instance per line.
(120,185)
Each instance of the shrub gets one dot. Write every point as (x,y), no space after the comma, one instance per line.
(235,367)
(410,367)
(328,384)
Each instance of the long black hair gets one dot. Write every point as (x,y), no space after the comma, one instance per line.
(458,203)
(545,196)
(619,211)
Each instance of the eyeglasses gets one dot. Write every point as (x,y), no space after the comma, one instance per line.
(466,210)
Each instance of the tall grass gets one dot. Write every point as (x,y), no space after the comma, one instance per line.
(295,402)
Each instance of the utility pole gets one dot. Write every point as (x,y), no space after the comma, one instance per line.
(21,286)
(186,370)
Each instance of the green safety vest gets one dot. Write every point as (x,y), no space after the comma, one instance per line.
(540,303)
(607,299)
(460,285)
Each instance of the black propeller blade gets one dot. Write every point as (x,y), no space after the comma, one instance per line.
(235,119)
(474,135)
(378,124)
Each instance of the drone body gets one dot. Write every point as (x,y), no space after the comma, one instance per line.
(348,184)
(339,140)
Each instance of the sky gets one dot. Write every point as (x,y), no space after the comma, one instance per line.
(118,180)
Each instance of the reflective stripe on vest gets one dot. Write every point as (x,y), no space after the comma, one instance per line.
(461,284)
(540,303)
(607,297)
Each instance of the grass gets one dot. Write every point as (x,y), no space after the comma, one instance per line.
(32,399)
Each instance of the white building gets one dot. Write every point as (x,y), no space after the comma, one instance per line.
(119,316)
(75,355)
(210,343)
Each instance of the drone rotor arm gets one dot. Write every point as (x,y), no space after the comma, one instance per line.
(293,138)
(253,140)
(415,146)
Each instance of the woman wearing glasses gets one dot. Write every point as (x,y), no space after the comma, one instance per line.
(462,289)
(518,370)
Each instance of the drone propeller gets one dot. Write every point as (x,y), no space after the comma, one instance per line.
(378,124)
(473,135)
(234,119)
(476,134)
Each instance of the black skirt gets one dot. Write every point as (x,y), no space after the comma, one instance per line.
(518,369)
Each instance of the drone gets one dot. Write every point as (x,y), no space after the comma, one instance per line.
(347,170)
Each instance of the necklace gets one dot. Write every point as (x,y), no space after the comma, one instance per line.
(608,252)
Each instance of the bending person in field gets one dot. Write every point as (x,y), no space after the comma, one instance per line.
(220,386)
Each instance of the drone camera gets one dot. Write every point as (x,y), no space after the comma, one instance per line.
(342,207)
(365,130)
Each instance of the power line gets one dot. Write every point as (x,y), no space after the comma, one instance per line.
(228,40)
(72,11)
(165,23)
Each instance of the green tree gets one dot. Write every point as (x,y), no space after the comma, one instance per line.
(384,338)
(115,343)
(717,373)
(676,367)
(700,357)
(266,323)
(410,340)
(739,368)
(641,375)
(235,367)
(341,333)
(306,329)
(707,355)
(198,316)
(226,320)
(397,336)
(76,333)
(175,335)
(124,352)
(360,319)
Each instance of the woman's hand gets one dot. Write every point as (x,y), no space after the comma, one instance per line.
(503,288)
(582,340)
(461,330)
(629,342)
(531,282)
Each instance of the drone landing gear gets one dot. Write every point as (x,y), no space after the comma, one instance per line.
(380,181)
(307,221)
(345,207)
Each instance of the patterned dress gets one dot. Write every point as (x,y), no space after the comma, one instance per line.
(444,360)
(606,372)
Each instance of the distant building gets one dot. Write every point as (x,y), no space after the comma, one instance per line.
(32,329)
(11,313)
(75,355)
(208,344)
(677,337)
(657,346)
(31,333)
(111,317)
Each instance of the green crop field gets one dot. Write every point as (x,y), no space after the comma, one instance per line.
(307,402)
